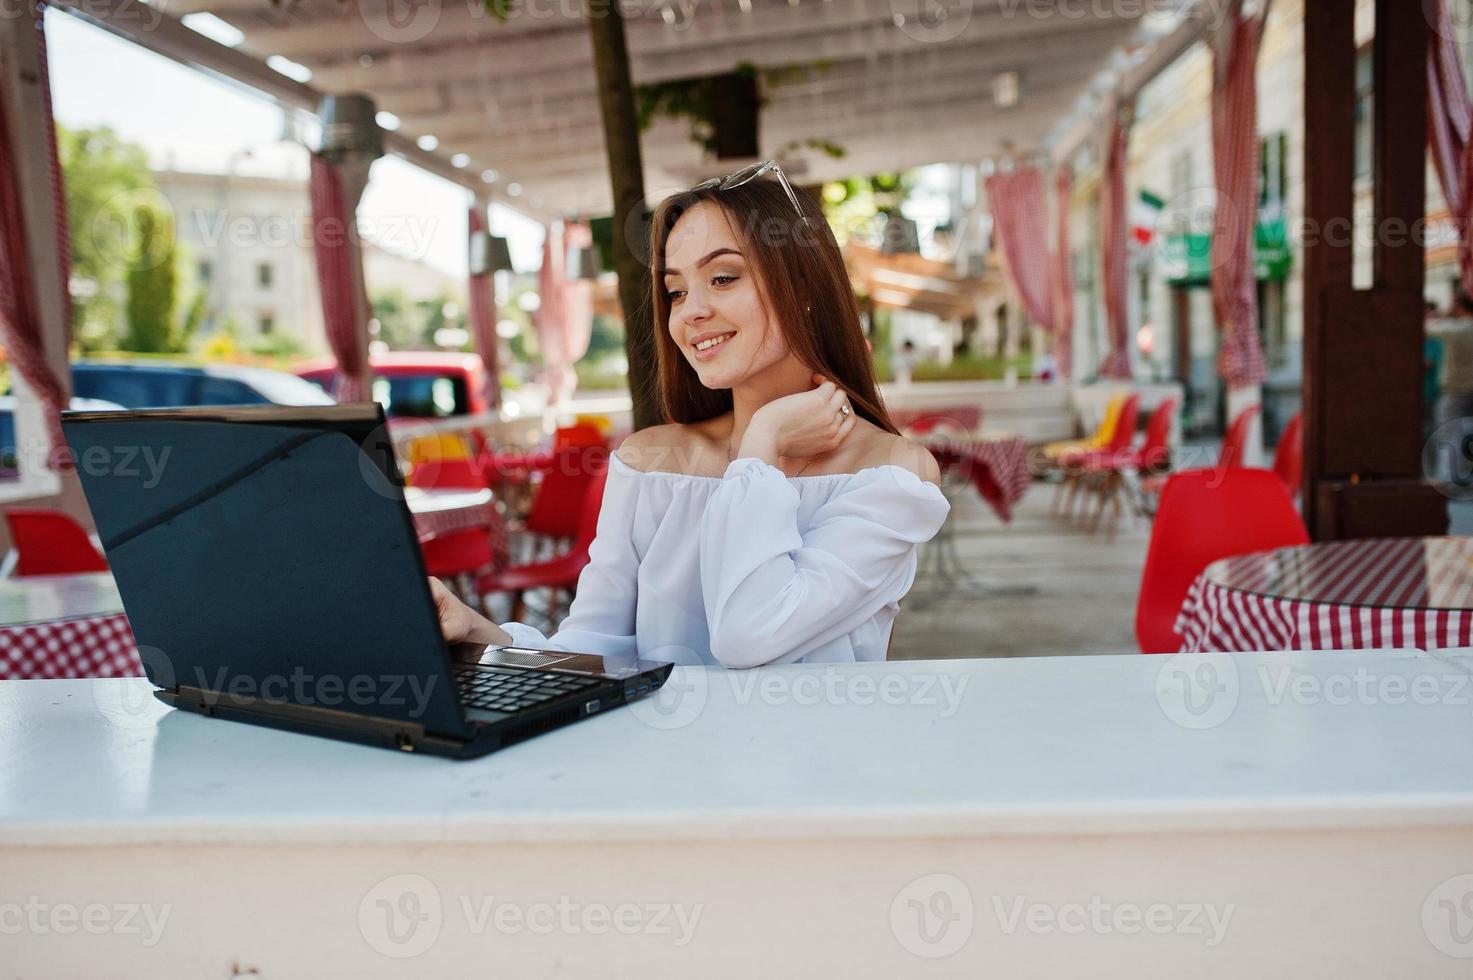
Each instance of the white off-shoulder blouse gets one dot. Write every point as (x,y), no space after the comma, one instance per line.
(752,567)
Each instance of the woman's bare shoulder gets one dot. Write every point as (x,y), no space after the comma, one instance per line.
(890,449)
(673,448)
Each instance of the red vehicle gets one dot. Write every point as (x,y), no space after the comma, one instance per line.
(417,384)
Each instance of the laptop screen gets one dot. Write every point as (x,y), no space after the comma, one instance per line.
(267,552)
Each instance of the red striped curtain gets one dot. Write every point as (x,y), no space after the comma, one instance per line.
(550,313)
(1235,157)
(1063,284)
(578,303)
(1449,128)
(1020,218)
(20,318)
(344,307)
(565,318)
(1114,253)
(482,290)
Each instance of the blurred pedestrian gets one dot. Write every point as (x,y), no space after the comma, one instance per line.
(903,362)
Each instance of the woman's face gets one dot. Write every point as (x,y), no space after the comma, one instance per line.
(714,293)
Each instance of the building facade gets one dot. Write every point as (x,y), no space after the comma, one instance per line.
(248,247)
(1171,182)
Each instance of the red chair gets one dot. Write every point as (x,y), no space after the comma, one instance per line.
(557,573)
(458,553)
(1289,455)
(556,511)
(455,557)
(1106,470)
(450,474)
(512,474)
(1073,462)
(584,434)
(49,542)
(1235,443)
(1206,515)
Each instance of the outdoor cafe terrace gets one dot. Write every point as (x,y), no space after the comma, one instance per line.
(1200,465)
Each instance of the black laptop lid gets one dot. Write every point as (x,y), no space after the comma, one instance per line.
(268,552)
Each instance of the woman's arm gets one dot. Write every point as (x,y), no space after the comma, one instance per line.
(601,618)
(774,593)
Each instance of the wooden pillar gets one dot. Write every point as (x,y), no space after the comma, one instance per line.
(1363,348)
(626,177)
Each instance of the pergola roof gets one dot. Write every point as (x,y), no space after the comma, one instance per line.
(876,77)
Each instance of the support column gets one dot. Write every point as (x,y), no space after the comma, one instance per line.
(1363,348)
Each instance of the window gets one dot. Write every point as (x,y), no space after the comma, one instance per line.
(1274,185)
(1365,112)
(266,322)
(421,396)
(265,274)
(1181,173)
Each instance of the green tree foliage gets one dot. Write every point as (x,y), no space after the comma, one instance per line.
(408,324)
(105,178)
(153,287)
(396,326)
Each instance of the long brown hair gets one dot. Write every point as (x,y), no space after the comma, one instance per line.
(804,287)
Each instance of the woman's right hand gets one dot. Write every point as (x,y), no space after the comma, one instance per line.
(460,623)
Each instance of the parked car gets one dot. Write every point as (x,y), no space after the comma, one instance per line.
(9,464)
(417,384)
(164,385)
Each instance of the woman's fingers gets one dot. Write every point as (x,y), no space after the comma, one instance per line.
(453,622)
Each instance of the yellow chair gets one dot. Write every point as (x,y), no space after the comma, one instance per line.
(437,447)
(1055,450)
(600,422)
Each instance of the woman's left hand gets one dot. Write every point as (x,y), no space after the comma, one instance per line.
(799,426)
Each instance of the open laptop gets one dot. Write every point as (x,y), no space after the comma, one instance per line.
(271,573)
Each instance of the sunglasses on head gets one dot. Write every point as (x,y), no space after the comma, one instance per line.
(748,174)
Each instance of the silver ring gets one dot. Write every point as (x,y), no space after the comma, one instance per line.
(844,410)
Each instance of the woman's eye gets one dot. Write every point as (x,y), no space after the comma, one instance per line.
(674,294)
(722,280)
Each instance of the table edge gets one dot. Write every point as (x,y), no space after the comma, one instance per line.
(1184,816)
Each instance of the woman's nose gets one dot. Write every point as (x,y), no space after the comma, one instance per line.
(696,309)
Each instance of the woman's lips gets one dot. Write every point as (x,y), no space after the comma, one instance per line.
(710,352)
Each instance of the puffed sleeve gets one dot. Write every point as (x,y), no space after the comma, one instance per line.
(773,592)
(601,619)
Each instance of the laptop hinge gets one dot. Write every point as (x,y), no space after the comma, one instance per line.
(404,734)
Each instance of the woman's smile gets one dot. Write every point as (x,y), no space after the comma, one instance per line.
(709,348)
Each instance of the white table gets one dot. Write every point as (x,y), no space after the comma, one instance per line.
(1223,816)
(39,598)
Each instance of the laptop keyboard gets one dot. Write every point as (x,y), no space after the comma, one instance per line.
(509,689)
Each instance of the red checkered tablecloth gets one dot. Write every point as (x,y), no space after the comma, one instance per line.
(1341,595)
(99,646)
(435,524)
(997,467)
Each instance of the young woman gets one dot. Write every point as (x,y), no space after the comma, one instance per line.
(777,517)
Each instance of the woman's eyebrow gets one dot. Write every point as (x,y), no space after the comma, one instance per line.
(707,258)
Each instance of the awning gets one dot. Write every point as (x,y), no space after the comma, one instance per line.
(895,83)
